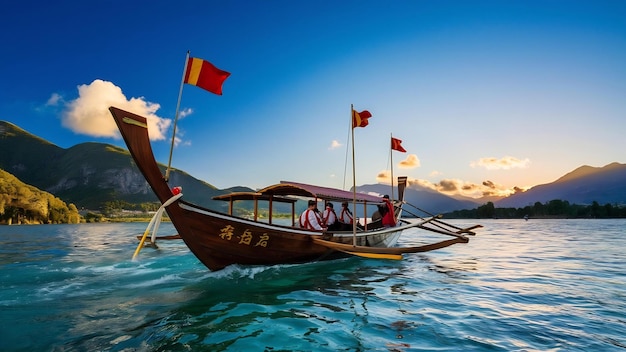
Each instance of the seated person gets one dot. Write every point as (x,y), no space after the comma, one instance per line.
(345,217)
(310,219)
(376,216)
(329,218)
(389,217)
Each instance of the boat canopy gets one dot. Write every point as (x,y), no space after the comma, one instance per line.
(253,196)
(282,192)
(285,188)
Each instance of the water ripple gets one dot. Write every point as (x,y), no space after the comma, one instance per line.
(550,285)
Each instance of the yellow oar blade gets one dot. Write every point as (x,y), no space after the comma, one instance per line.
(143,239)
(367,252)
(376,255)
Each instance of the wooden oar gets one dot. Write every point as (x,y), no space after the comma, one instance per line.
(435,220)
(361,251)
(386,252)
(468,230)
(443,231)
(375,255)
(169,237)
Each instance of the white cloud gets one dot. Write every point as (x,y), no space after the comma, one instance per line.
(334,145)
(55,99)
(180,133)
(89,113)
(184,113)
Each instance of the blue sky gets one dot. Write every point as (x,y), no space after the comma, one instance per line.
(485,95)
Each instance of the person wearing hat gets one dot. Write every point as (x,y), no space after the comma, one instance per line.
(330,217)
(389,218)
(310,219)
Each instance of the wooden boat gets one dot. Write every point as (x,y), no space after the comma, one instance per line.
(220,239)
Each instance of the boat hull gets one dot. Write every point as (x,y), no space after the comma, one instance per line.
(219,240)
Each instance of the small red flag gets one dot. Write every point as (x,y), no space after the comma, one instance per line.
(396,144)
(203,74)
(359,119)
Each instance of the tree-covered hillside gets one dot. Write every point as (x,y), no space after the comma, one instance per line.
(24,204)
(556,208)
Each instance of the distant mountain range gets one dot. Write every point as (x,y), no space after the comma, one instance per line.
(582,186)
(421,198)
(90,174)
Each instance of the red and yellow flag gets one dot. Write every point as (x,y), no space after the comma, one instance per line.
(396,144)
(203,74)
(359,119)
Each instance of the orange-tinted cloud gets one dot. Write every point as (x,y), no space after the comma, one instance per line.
(456,187)
(504,163)
(384,177)
(410,162)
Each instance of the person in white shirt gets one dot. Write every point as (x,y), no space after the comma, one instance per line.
(329,218)
(345,217)
(310,219)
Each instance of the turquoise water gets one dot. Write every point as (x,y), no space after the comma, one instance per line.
(540,285)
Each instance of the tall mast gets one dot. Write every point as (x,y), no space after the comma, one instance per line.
(180,94)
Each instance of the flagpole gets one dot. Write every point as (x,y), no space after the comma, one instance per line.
(345,163)
(180,94)
(353,178)
(391,158)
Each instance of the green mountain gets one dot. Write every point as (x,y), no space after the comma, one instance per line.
(90,174)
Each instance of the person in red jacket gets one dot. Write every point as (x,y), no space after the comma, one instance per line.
(389,218)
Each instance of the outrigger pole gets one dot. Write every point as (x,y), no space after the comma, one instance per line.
(180,94)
